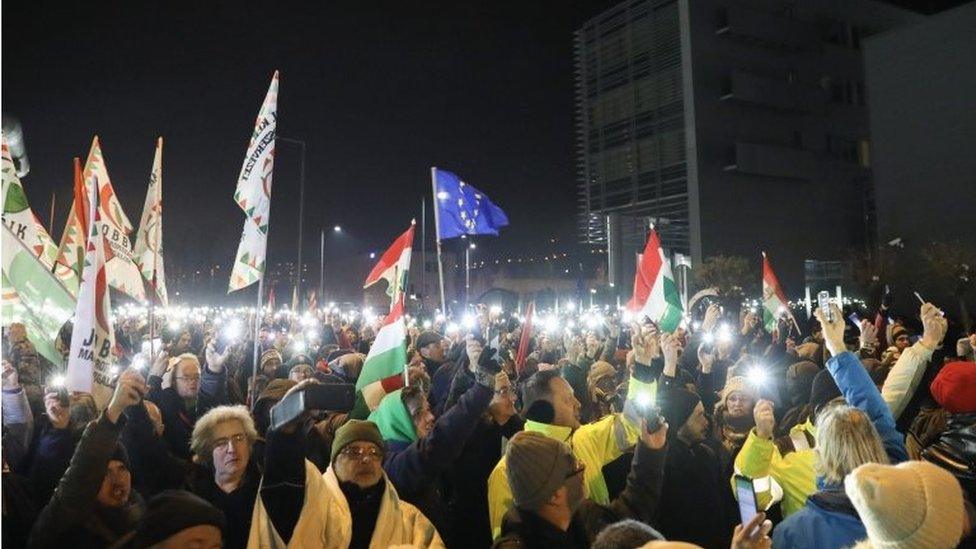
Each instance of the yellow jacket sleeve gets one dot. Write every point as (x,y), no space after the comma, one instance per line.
(760,458)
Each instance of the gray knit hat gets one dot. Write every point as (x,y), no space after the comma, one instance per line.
(537,466)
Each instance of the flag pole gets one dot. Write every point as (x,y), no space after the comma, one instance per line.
(258,316)
(437,236)
(423,252)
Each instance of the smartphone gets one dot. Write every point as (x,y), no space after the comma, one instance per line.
(335,397)
(746,494)
(823,301)
(653,416)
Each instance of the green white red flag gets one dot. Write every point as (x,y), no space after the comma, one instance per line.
(38,300)
(93,337)
(775,305)
(253,194)
(384,366)
(394,265)
(148,251)
(24,226)
(655,293)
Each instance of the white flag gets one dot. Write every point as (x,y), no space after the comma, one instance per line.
(123,273)
(253,194)
(148,252)
(93,337)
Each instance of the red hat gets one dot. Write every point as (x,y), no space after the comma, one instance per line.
(955,387)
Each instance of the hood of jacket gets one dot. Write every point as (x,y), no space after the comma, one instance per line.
(393,419)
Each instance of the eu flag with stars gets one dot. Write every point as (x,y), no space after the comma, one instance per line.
(463,209)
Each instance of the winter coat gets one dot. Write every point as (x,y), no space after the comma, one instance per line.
(827,521)
(639,501)
(73,518)
(764,461)
(178,420)
(955,450)
(696,503)
(415,466)
(796,474)
(325,520)
(595,444)
(468,481)
(904,377)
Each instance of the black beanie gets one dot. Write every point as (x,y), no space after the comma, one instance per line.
(677,405)
(823,390)
(173,511)
(121,454)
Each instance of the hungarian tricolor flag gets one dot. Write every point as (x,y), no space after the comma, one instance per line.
(774,300)
(655,293)
(393,266)
(383,370)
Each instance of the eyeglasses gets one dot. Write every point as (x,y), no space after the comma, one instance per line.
(504,391)
(365,454)
(580,467)
(221,443)
(189,378)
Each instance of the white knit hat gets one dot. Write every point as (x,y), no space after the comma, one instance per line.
(912,505)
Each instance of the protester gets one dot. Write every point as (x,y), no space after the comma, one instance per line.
(352,505)
(94,505)
(909,505)
(419,449)
(186,393)
(550,507)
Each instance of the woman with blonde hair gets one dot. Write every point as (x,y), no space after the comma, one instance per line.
(847,437)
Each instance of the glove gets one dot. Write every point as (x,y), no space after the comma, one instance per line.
(488,366)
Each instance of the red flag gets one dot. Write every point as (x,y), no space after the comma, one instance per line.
(523,348)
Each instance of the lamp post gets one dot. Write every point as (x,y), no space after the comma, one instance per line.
(335,229)
(467,271)
(301,216)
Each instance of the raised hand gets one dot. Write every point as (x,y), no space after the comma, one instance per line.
(869,334)
(712,315)
(215,360)
(57,415)
(765,420)
(657,439)
(753,534)
(11,380)
(129,390)
(706,359)
(934,326)
(833,331)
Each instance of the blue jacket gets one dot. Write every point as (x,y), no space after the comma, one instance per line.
(859,391)
(827,521)
(415,467)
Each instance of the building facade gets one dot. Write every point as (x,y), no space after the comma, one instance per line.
(733,127)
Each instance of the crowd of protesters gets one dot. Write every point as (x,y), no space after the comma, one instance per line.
(606,433)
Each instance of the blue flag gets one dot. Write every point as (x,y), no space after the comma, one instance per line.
(463,209)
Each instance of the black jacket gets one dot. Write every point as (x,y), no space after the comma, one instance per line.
(955,450)
(72,518)
(467,482)
(639,501)
(178,420)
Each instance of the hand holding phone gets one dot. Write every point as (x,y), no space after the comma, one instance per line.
(746,494)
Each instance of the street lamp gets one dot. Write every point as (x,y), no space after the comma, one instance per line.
(337,229)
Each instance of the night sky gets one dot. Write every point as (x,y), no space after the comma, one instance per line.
(378,93)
